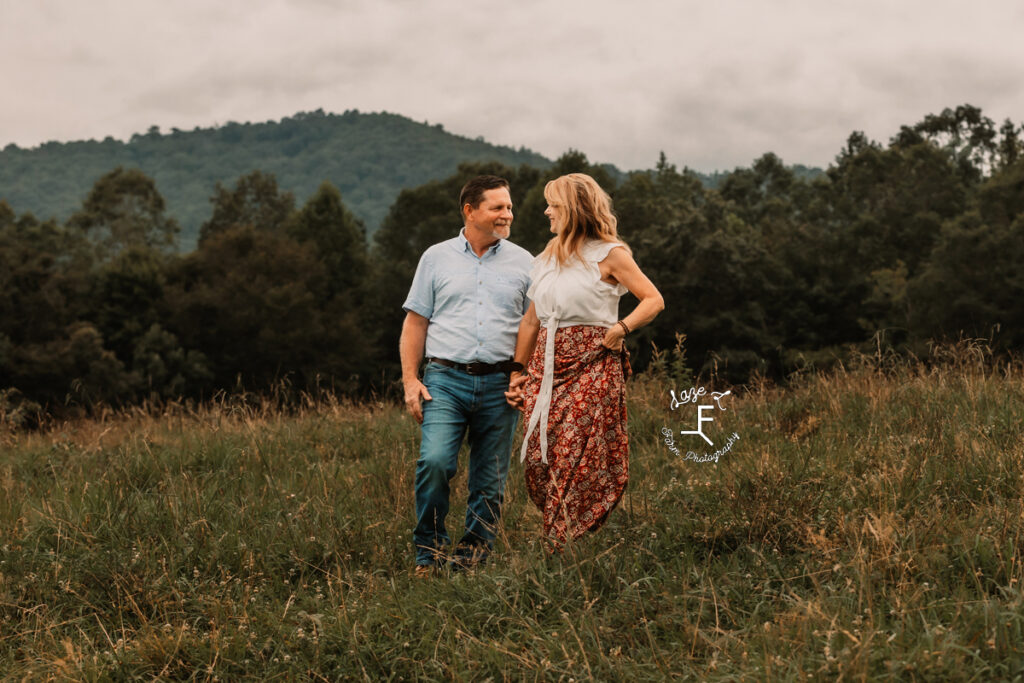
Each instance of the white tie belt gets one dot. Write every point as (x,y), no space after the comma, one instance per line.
(542,407)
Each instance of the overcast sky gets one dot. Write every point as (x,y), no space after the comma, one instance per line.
(714,84)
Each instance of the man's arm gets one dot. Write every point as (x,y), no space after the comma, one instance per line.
(526,340)
(410,349)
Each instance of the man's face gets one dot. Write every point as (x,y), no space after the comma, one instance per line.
(493,216)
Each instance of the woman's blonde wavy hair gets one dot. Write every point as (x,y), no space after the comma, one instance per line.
(587,210)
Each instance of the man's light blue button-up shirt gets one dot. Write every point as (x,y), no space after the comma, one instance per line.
(474,304)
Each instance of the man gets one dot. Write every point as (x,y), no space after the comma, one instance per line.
(463,312)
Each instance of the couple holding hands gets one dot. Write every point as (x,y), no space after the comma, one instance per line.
(501,332)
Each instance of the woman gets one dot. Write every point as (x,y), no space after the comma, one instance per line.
(576,448)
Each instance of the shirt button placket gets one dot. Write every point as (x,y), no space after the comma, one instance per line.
(479,310)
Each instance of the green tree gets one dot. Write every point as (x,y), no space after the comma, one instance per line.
(44,291)
(255,201)
(972,283)
(97,375)
(892,202)
(807,301)
(710,265)
(965,134)
(128,297)
(1010,146)
(161,368)
(1000,199)
(54,352)
(338,236)
(251,302)
(124,210)
(658,213)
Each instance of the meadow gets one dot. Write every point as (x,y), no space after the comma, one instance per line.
(865,525)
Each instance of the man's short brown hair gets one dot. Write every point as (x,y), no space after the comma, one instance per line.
(473,191)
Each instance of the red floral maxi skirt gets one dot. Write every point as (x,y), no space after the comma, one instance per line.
(588,448)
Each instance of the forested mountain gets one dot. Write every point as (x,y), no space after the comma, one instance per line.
(370,158)
(763,270)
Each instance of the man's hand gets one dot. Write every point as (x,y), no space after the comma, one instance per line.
(414,391)
(514,395)
(410,348)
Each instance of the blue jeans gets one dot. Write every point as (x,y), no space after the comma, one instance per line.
(462,403)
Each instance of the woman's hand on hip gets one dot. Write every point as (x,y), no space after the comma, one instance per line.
(613,338)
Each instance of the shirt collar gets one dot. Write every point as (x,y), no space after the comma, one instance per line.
(466,246)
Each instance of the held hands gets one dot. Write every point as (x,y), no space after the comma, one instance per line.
(414,391)
(612,341)
(514,395)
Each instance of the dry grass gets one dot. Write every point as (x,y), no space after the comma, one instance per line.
(865,526)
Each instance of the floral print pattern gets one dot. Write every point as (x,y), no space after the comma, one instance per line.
(588,447)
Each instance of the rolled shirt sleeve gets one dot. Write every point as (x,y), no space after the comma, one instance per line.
(421,294)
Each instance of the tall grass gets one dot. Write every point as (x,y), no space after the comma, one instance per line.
(867,525)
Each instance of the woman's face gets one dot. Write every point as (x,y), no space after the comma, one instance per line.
(556,216)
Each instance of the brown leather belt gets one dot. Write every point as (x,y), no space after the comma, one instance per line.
(506,366)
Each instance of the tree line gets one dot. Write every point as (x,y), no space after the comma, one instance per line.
(896,245)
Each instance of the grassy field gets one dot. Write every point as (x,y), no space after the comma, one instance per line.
(866,525)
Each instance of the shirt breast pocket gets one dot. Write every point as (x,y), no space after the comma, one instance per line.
(508,294)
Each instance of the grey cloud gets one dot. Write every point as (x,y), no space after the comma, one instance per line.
(920,75)
(714,85)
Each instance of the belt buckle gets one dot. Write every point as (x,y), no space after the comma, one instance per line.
(476,368)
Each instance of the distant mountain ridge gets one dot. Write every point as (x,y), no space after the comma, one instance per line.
(369,157)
